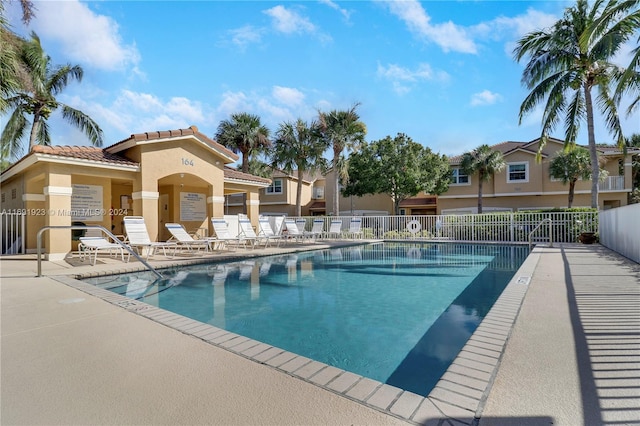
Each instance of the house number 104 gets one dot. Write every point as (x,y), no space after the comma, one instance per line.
(187,162)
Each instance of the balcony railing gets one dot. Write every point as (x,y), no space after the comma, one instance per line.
(612,183)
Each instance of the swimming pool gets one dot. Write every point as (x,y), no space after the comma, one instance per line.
(396,313)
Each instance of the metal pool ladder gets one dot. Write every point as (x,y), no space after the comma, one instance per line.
(536,228)
(113,237)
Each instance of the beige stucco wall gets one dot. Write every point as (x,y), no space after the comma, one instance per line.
(173,158)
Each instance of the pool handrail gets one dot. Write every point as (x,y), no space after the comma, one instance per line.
(536,228)
(75,227)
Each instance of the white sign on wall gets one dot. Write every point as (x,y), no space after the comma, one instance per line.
(86,203)
(193,206)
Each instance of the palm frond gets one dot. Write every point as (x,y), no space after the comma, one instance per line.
(59,78)
(13,133)
(83,122)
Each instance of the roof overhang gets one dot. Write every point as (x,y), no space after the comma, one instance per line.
(34,158)
(225,154)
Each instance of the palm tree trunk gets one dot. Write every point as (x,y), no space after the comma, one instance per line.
(479,194)
(336,189)
(572,186)
(299,194)
(593,152)
(34,131)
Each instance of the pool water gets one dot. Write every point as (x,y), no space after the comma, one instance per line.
(396,313)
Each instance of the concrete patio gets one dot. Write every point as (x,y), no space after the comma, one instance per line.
(572,357)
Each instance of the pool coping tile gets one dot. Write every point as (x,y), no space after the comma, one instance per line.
(457,398)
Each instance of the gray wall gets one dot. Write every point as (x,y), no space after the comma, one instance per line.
(620,230)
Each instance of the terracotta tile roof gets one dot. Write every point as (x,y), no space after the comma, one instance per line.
(231,173)
(422,201)
(83,153)
(166,134)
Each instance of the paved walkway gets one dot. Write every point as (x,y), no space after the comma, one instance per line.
(573,358)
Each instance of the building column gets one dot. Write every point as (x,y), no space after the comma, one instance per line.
(146,202)
(215,208)
(253,207)
(57,195)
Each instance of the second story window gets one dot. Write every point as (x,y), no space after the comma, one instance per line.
(318,192)
(459,178)
(275,187)
(518,172)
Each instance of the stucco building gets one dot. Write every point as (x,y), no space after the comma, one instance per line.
(169,176)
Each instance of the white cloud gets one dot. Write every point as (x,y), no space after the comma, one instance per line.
(245,35)
(401,77)
(133,112)
(447,35)
(288,21)
(287,95)
(93,39)
(485,97)
(233,102)
(512,29)
(344,12)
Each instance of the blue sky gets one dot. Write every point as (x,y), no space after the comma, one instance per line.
(440,71)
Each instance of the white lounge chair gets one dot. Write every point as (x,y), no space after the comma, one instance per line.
(293,231)
(355,228)
(138,237)
(335,229)
(247,232)
(93,245)
(266,232)
(317,229)
(187,241)
(223,234)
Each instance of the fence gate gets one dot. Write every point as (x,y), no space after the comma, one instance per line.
(12,232)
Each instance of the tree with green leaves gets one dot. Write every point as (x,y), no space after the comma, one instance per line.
(298,146)
(245,134)
(626,16)
(398,167)
(484,162)
(570,59)
(634,142)
(570,165)
(38,99)
(342,131)
(12,69)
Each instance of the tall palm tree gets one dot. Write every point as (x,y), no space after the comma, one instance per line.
(566,62)
(485,162)
(298,146)
(245,134)
(570,165)
(39,100)
(625,15)
(12,70)
(342,130)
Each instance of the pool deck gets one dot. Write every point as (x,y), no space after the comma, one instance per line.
(561,346)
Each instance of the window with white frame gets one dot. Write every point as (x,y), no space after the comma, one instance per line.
(458,177)
(318,192)
(518,172)
(275,187)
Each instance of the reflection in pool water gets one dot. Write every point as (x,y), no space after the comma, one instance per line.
(396,313)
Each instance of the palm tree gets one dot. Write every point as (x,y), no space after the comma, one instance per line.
(298,146)
(485,162)
(12,70)
(46,81)
(626,16)
(245,134)
(569,166)
(342,130)
(566,62)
